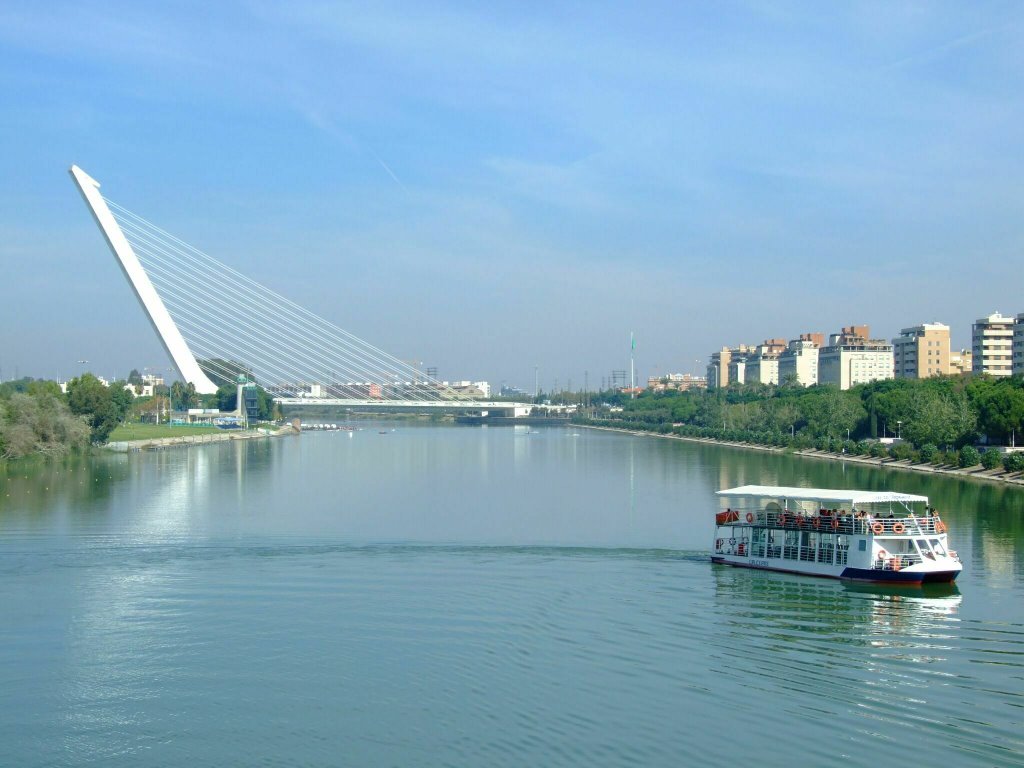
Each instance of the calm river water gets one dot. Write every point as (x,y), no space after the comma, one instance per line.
(443,596)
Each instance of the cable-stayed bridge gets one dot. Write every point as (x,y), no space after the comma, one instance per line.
(217,324)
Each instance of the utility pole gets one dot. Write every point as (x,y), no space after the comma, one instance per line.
(632,374)
(536,381)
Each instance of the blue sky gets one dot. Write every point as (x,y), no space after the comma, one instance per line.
(490,187)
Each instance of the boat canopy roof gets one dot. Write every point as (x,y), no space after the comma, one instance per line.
(821,494)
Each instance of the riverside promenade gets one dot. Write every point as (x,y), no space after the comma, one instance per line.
(970,473)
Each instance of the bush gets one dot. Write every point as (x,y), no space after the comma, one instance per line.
(969,457)
(902,451)
(864,447)
(991,459)
(1014,462)
(878,450)
(929,452)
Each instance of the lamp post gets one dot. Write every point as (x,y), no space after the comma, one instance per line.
(899,425)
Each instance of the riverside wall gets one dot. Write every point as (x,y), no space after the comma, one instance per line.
(156,443)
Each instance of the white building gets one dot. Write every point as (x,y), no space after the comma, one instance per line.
(763,369)
(992,345)
(852,358)
(799,362)
(1018,346)
(763,366)
(737,370)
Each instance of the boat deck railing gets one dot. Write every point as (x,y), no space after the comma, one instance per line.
(909,525)
(895,561)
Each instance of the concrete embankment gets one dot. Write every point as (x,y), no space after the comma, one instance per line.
(156,443)
(973,473)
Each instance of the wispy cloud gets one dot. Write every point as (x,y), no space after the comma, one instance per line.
(948,47)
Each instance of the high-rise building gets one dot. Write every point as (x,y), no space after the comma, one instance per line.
(723,369)
(960,362)
(763,366)
(922,351)
(799,361)
(718,369)
(853,358)
(992,345)
(737,369)
(1018,346)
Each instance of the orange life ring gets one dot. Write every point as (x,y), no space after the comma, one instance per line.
(817,522)
(940,527)
(877,528)
(750,517)
(898,527)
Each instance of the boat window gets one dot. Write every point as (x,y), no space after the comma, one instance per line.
(937,546)
(862,545)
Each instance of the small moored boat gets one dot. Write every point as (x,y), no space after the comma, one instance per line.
(876,536)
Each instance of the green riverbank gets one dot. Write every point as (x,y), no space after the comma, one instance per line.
(972,473)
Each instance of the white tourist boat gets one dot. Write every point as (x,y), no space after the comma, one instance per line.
(876,536)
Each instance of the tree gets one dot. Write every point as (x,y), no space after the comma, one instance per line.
(1014,462)
(968,457)
(227,397)
(135,378)
(1001,408)
(831,412)
(941,418)
(87,396)
(991,459)
(122,398)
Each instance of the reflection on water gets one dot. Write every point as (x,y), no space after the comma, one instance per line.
(442,596)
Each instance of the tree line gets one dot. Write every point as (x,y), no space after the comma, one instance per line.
(936,418)
(36,417)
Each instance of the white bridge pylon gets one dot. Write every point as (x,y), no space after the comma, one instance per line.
(216,323)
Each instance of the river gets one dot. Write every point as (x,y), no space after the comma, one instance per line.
(444,596)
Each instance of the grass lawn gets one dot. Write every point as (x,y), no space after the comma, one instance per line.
(150,431)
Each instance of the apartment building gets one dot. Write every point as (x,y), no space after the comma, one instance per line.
(737,369)
(1018,346)
(922,351)
(992,345)
(763,366)
(722,370)
(718,369)
(960,362)
(799,361)
(852,357)
(679,382)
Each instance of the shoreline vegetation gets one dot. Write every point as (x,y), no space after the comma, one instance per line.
(959,425)
(972,473)
(40,418)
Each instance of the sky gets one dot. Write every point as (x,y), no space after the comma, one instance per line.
(497,188)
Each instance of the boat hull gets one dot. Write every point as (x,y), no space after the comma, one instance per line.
(864,575)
